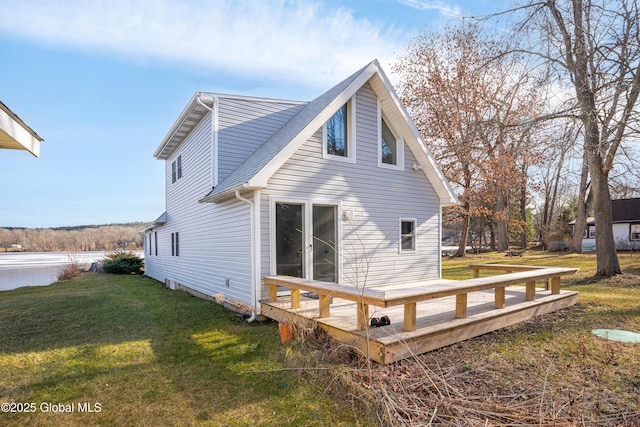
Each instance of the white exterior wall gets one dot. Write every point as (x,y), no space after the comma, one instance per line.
(379,197)
(215,239)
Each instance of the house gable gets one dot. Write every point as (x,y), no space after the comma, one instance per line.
(268,158)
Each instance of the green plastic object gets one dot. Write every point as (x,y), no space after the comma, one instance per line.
(618,335)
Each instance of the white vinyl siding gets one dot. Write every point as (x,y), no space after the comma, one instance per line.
(215,239)
(374,197)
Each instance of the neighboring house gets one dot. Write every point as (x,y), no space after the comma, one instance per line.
(15,134)
(625,217)
(340,189)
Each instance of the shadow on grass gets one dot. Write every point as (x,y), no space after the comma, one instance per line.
(191,353)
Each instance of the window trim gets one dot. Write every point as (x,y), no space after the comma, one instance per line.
(175,244)
(351,135)
(399,165)
(414,234)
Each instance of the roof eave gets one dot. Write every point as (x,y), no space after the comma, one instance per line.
(164,150)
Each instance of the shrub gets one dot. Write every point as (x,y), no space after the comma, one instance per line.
(122,262)
(71,270)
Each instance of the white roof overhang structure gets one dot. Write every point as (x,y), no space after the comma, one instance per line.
(15,134)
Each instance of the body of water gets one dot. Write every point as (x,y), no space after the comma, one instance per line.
(19,269)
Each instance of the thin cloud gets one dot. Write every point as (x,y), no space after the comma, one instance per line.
(440,7)
(281,40)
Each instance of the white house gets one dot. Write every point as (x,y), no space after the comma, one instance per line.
(340,189)
(625,218)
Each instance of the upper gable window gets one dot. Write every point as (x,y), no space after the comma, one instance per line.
(391,153)
(339,134)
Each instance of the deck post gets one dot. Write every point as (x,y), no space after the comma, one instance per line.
(499,297)
(530,293)
(410,317)
(476,272)
(555,285)
(363,315)
(273,293)
(295,298)
(461,306)
(325,304)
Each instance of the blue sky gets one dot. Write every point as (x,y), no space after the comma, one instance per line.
(103,81)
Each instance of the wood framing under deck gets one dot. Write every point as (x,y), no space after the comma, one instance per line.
(424,316)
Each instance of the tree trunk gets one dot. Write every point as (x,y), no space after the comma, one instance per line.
(607,263)
(523,208)
(501,224)
(581,221)
(465,231)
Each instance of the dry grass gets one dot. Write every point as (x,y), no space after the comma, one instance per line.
(548,371)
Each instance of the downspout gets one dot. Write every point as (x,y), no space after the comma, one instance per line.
(253,262)
(214,137)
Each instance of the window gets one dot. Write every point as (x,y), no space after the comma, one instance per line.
(388,145)
(592,232)
(155,237)
(390,148)
(407,235)
(176,169)
(149,243)
(339,134)
(175,244)
(634,232)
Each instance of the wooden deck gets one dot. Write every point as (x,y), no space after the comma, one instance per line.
(424,316)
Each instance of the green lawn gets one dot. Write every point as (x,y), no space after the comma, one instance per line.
(144,355)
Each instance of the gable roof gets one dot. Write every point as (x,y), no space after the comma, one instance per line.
(15,134)
(625,210)
(255,171)
(197,107)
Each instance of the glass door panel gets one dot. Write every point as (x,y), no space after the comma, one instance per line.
(289,240)
(324,244)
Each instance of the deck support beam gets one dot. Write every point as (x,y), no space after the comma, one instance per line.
(410,317)
(555,285)
(325,305)
(461,306)
(500,298)
(530,293)
(295,298)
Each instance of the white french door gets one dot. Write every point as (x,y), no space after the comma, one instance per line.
(305,240)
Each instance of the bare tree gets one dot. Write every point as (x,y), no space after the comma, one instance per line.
(594,46)
(470,107)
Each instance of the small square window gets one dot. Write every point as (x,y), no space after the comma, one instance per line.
(635,232)
(407,235)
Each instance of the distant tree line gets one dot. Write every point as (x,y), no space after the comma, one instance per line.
(73,239)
